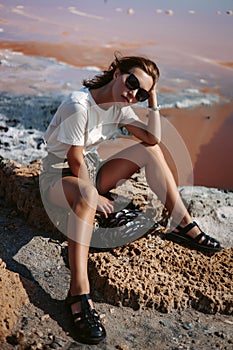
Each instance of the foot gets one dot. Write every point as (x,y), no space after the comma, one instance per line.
(192,236)
(86,320)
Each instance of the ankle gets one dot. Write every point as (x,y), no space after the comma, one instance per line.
(79,288)
(79,291)
(184,222)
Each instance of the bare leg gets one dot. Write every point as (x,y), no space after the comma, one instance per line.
(81,198)
(159,177)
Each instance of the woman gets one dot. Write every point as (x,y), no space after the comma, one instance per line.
(81,124)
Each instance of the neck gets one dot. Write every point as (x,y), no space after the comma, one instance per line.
(103,95)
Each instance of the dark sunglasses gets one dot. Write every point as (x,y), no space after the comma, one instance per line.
(132,83)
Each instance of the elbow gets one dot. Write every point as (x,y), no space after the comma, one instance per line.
(152,140)
(156,142)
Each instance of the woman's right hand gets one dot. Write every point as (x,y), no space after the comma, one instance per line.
(105,205)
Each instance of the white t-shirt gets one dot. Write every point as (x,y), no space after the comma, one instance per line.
(79,121)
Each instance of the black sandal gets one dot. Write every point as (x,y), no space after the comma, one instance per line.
(208,244)
(87,323)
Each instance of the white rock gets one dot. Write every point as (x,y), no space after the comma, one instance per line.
(169,12)
(130,11)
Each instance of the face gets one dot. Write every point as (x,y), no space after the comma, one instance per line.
(131,87)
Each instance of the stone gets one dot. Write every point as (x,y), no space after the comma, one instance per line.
(13,297)
(170,277)
(149,272)
(19,185)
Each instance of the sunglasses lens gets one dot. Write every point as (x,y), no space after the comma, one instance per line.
(142,95)
(132,83)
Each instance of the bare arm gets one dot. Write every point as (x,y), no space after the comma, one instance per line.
(150,133)
(76,162)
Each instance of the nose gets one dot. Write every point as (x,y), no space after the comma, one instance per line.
(132,93)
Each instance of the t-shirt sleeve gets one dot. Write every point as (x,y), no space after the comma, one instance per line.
(72,128)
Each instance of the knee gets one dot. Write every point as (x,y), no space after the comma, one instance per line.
(89,193)
(88,196)
(154,150)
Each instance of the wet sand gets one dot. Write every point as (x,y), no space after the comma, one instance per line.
(74,54)
(82,55)
(207,133)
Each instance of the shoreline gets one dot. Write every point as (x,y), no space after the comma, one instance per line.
(205,130)
(76,55)
(81,55)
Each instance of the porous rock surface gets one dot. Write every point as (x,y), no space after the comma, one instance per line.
(164,276)
(150,272)
(13,297)
(19,185)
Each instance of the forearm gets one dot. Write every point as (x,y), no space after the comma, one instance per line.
(154,124)
(154,121)
(77,164)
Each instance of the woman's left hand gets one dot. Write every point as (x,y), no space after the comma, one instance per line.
(105,205)
(152,100)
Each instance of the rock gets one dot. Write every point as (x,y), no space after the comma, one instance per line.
(13,297)
(213,209)
(149,272)
(166,278)
(169,12)
(122,347)
(130,11)
(19,185)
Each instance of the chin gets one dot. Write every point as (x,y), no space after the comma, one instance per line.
(125,101)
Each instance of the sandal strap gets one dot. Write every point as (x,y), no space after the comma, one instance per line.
(72,299)
(78,315)
(88,326)
(202,235)
(208,241)
(184,230)
(86,314)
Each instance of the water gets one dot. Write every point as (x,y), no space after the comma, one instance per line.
(47,48)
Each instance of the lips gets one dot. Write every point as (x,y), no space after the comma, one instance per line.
(125,98)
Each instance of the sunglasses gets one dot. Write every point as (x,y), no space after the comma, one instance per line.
(132,83)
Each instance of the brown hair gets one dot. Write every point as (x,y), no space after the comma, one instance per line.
(124,64)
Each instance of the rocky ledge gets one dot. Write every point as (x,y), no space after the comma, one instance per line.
(148,273)
(13,297)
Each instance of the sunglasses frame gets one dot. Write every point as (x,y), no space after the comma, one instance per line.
(142,94)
